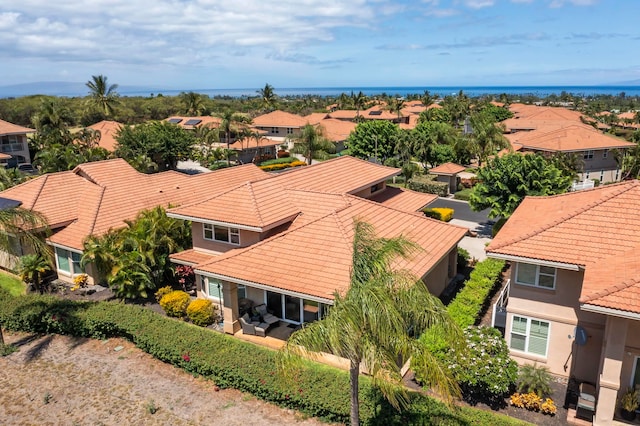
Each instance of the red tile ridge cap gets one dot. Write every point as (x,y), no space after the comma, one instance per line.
(35,198)
(625,186)
(96,211)
(219,194)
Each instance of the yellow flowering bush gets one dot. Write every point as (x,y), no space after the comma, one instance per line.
(163,291)
(440,213)
(282,166)
(175,303)
(80,281)
(532,402)
(549,407)
(201,312)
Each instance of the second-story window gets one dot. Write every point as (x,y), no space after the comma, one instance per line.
(221,233)
(536,275)
(588,155)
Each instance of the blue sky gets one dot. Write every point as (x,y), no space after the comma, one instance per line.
(217,44)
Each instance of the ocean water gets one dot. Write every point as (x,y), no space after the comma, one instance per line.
(472,91)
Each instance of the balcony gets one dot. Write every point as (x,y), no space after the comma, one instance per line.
(499,312)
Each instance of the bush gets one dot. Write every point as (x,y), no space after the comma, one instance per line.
(533,402)
(440,213)
(163,291)
(425,183)
(280,160)
(201,312)
(282,166)
(463,258)
(317,390)
(175,303)
(534,378)
(462,195)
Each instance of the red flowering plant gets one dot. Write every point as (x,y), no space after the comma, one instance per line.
(186,277)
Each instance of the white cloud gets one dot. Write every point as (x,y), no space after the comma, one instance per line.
(479,4)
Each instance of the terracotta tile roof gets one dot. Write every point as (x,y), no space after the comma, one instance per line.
(307,246)
(279,119)
(108,130)
(246,143)
(190,123)
(379,112)
(192,257)
(99,196)
(336,130)
(413,108)
(574,137)
(315,117)
(575,228)
(447,169)
(339,175)
(403,199)
(344,114)
(263,204)
(7,128)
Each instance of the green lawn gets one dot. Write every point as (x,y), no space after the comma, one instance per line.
(11,283)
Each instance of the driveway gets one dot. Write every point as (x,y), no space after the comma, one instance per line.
(477,222)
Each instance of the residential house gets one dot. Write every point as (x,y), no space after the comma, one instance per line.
(13,144)
(596,150)
(448,173)
(249,149)
(96,197)
(190,123)
(573,301)
(286,241)
(279,124)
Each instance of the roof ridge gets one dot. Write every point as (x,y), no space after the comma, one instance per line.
(256,205)
(568,216)
(97,209)
(35,199)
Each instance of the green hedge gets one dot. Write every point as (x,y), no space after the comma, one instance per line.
(468,304)
(425,183)
(317,390)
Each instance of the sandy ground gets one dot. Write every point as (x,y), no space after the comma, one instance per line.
(58,380)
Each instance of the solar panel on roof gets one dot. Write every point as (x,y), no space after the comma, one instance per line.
(192,122)
(375,112)
(174,120)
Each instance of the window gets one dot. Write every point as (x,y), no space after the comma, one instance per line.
(68,262)
(605,153)
(242,291)
(529,335)
(375,188)
(275,130)
(588,155)
(617,174)
(601,175)
(214,288)
(536,275)
(11,143)
(221,233)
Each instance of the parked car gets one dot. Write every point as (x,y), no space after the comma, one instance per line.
(28,169)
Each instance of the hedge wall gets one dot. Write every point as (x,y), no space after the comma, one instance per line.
(425,183)
(317,390)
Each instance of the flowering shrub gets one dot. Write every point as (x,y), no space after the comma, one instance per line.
(175,303)
(282,166)
(532,402)
(163,291)
(80,281)
(186,277)
(440,213)
(483,368)
(201,312)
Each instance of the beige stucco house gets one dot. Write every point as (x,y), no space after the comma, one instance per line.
(574,295)
(286,241)
(13,143)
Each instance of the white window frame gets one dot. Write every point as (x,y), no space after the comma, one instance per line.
(213,281)
(71,272)
(289,130)
(231,232)
(527,335)
(588,154)
(536,284)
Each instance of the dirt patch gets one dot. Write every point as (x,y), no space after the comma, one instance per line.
(62,380)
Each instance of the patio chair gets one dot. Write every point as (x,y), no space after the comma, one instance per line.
(266,316)
(248,327)
(586,406)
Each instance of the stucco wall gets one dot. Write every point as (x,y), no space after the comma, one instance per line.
(366,193)
(438,278)
(247,238)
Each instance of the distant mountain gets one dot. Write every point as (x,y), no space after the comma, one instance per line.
(60,88)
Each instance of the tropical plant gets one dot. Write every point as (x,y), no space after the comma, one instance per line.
(232,122)
(534,378)
(267,97)
(396,105)
(311,143)
(630,400)
(175,303)
(374,323)
(193,103)
(201,312)
(32,267)
(102,95)
(486,137)
(359,101)
(427,98)
(22,227)
(506,180)
(428,139)
(373,139)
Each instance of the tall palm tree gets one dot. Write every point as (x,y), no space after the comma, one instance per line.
(428,99)
(487,136)
(102,95)
(193,103)
(232,122)
(396,105)
(359,102)
(369,324)
(267,96)
(312,143)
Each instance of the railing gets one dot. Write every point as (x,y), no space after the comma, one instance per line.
(579,186)
(499,313)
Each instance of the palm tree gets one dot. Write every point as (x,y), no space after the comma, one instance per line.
(369,325)
(396,105)
(427,98)
(31,269)
(232,122)
(312,144)
(267,96)
(359,102)
(102,95)
(486,137)
(193,103)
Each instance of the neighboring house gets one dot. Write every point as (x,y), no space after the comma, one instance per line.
(287,242)
(190,123)
(13,143)
(279,124)
(108,130)
(96,197)
(595,149)
(249,148)
(448,173)
(573,302)
(337,131)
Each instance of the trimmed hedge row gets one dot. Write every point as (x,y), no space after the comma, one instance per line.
(439,213)
(282,166)
(425,183)
(316,390)
(468,304)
